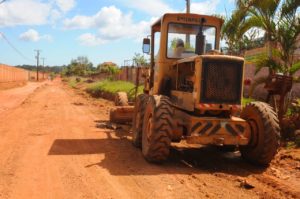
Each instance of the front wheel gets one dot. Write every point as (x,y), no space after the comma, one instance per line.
(157,129)
(265,133)
(137,120)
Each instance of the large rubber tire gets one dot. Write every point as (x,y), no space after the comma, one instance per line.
(137,120)
(265,133)
(121,99)
(157,129)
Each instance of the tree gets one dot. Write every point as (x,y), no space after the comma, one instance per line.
(139,59)
(282,32)
(287,33)
(107,67)
(79,66)
(280,21)
(262,15)
(231,31)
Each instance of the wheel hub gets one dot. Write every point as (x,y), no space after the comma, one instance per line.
(137,120)
(254,133)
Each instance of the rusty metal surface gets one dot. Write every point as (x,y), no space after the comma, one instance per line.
(279,84)
(221,82)
(219,131)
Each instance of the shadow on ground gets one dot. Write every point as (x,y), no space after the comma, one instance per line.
(122,158)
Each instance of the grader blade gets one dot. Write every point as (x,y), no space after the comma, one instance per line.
(122,114)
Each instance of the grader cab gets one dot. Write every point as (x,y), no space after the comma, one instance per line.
(194,93)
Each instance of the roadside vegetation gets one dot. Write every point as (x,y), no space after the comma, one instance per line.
(100,81)
(274,25)
(113,87)
(245,101)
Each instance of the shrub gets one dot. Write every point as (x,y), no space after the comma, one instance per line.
(113,87)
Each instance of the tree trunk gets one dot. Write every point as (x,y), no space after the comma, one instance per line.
(269,46)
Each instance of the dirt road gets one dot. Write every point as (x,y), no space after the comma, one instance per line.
(55,144)
(12,98)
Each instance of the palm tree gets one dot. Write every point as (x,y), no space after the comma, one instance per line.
(232,31)
(262,14)
(279,20)
(288,30)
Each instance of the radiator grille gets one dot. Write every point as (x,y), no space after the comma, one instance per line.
(221,82)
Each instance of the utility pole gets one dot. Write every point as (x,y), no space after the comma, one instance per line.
(188,6)
(2,1)
(37,63)
(43,58)
(188,10)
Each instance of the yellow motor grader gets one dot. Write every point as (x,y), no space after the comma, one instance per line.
(194,93)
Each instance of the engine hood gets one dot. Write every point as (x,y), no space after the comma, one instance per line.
(211,57)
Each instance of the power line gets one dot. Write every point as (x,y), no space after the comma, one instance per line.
(37,63)
(2,1)
(12,46)
(43,58)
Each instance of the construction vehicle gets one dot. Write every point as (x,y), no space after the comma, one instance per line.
(195,94)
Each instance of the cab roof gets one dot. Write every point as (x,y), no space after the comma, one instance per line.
(186,18)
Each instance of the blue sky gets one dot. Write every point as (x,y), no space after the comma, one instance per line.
(110,30)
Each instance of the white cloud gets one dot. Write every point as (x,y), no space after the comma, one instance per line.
(89,39)
(159,7)
(65,5)
(79,22)
(34,36)
(33,12)
(20,12)
(117,25)
(205,7)
(111,23)
(55,15)
(153,7)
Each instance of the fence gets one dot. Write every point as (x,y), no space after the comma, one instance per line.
(130,74)
(12,74)
(32,76)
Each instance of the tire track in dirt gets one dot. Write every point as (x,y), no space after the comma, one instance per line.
(233,168)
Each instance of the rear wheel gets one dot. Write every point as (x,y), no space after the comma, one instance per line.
(157,129)
(137,122)
(227,148)
(121,99)
(265,133)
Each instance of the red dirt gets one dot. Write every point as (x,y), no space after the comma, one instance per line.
(12,98)
(56,145)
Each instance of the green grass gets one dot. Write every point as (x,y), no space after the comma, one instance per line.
(291,145)
(72,81)
(246,101)
(128,87)
(113,87)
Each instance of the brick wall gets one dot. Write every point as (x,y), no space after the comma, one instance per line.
(130,73)
(12,74)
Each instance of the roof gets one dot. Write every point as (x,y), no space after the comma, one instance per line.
(158,22)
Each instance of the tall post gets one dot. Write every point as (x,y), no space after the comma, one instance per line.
(188,6)
(37,63)
(43,58)
(188,10)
